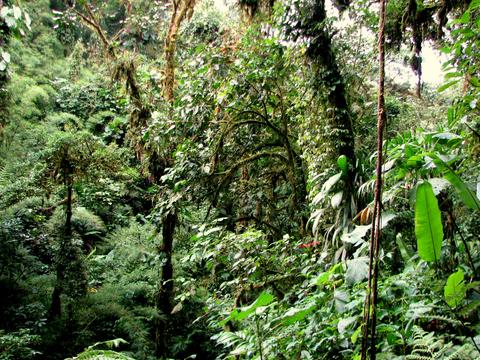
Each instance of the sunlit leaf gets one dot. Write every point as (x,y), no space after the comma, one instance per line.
(447,85)
(263,299)
(336,200)
(17,12)
(455,290)
(6,56)
(356,236)
(296,314)
(344,323)
(342,163)
(428,223)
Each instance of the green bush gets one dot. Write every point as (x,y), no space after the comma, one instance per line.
(18,345)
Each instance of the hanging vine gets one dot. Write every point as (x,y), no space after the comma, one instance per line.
(370,315)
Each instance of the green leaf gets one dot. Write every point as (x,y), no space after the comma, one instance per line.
(464,19)
(475,82)
(406,256)
(447,85)
(455,290)
(453,74)
(321,279)
(415,161)
(446,50)
(355,334)
(296,314)
(428,223)
(466,194)
(342,163)
(474,5)
(451,116)
(264,299)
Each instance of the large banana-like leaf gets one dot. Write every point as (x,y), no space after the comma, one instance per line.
(428,223)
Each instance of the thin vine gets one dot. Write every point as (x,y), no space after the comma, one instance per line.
(370,316)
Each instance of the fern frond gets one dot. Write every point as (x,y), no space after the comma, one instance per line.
(101,355)
(465,352)
(91,353)
(440,318)
(418,357)
(4,176)
(429,346)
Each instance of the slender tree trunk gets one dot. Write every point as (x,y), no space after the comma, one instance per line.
(68,212)
(180,10)
(370,311)
(56,306)
(243,224)
(4,33)
(165,286)
(302,194)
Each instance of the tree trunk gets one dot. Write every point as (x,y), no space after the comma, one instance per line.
(340,136)
(302,194)
(4,33)
(250,9)
(181,9)
(243,224)
(165,286)
(56,306)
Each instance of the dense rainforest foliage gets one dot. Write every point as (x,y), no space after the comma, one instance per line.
(195,180)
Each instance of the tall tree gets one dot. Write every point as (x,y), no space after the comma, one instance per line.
(157,160)
(4,35)
(306,21)
(68,159)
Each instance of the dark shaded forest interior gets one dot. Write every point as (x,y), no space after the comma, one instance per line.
(239,179)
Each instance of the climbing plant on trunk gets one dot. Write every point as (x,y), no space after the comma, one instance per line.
(306,21)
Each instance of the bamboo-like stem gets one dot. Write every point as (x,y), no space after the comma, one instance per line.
(370,315)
